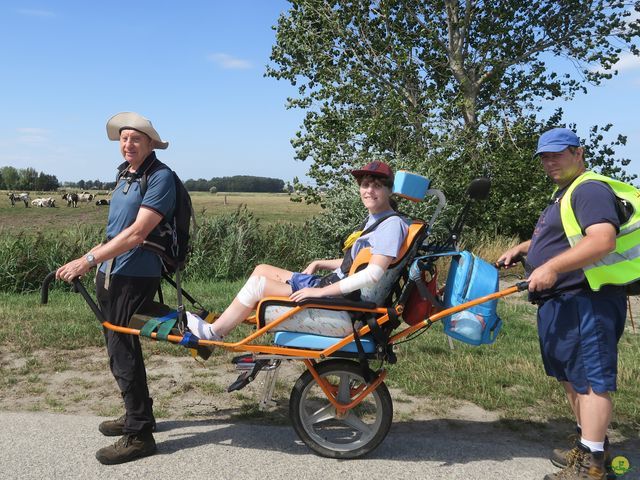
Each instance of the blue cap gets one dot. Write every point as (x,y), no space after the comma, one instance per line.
(556,140)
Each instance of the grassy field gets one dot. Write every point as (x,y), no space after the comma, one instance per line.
(267,207)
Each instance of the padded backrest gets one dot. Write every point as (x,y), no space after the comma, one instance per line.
(381,290)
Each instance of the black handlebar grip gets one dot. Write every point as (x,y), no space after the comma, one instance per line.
(44,290)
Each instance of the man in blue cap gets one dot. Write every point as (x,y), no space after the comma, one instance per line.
(580,316)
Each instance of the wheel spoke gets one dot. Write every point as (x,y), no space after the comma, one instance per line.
(356,423)
(344,388)
(322,415)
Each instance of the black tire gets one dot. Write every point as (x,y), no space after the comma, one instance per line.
(314,417)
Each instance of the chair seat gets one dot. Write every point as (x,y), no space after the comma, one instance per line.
(319,342)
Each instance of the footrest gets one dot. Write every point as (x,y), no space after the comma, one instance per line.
(318,342)
(152,313)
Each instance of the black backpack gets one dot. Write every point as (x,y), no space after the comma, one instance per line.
(173,238)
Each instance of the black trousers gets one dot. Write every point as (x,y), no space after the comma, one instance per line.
(124,297)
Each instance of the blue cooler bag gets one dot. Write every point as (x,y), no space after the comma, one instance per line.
(469,278)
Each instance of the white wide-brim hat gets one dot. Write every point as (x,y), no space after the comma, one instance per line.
(135,121)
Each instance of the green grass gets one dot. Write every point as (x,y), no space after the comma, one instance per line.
(267,207)
(507,376)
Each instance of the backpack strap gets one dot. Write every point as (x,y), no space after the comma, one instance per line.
(347,260)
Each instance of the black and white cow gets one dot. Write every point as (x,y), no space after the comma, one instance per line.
(71,198)
(19,197)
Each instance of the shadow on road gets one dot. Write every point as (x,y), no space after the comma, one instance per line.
(446,441)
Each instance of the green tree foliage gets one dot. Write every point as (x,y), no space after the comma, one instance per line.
(450,89)
(26,179)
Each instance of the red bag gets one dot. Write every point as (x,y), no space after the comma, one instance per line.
(416,309)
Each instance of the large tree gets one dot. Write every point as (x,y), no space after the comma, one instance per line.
(448,88)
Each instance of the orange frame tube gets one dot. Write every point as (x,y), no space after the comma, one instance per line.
(312,355)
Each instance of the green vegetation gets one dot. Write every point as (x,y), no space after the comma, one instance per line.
(233,237)
(451,90)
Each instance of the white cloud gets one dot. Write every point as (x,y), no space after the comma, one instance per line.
(628,61)
(32,135)
(31,12)
(228,62)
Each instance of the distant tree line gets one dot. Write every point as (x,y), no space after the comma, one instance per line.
(30,179)
(12,178)
(238,183)
(89,185)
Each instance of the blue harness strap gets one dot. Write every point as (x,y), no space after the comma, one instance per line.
(189,340)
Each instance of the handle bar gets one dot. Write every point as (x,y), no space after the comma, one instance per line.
(517,259)
(78,287)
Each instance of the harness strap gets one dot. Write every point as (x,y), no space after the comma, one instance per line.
(367,373)
(162,324)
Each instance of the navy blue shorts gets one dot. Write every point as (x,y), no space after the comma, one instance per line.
(579,336)
(303,280)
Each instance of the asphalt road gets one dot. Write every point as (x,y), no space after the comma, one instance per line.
(50,446)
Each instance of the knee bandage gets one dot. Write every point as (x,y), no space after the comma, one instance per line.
(252,291)
(364,278)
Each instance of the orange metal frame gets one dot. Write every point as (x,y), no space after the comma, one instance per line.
(311,356)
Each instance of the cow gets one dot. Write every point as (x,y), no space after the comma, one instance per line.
(71,198)
(44,202)
(19,197)
(85,197)
(102,201)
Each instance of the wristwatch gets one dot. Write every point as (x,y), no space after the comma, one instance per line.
(91,260)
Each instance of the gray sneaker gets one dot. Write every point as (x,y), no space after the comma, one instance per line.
(127,448)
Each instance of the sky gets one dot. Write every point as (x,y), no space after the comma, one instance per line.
(196,70)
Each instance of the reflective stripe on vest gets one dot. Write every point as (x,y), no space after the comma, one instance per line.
(622,265)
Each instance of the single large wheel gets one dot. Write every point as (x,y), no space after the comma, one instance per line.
(315,419)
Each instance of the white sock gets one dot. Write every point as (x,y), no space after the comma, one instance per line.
(200,328)
(593,446)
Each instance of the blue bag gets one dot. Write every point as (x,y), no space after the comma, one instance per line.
(469,278)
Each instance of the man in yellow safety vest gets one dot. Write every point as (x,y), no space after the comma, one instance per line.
(580,254)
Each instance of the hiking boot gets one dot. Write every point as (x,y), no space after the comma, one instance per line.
(127,448)
(563,458)
(115,428)
(587,466)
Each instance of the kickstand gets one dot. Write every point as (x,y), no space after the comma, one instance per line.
(269,384)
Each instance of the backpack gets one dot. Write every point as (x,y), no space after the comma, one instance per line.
(172,240)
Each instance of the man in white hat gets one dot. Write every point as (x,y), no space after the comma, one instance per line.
(128,276)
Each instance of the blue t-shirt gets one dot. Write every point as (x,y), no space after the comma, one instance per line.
(123,210)
(593,202)
(386,239)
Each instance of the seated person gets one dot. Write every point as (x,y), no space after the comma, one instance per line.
(384,231)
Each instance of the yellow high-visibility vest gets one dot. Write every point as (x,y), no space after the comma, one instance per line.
(622,265)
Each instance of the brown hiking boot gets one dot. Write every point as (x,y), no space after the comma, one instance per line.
(563,458)
(115,428)
(128,447)
(587,466)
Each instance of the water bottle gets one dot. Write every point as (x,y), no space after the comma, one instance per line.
(468,325)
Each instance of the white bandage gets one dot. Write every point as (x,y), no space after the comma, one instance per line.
(364,278)
(252,291)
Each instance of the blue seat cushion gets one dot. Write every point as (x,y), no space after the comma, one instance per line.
(318,342)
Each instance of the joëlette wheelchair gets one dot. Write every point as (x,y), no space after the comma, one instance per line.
(340,407)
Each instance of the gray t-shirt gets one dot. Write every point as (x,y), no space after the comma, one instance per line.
(386,239)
